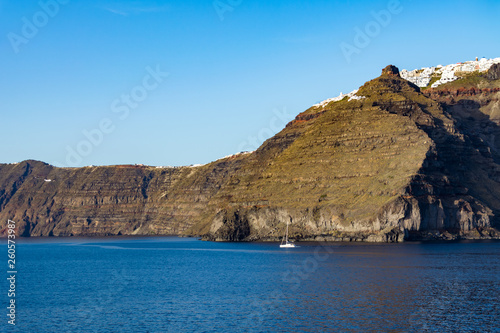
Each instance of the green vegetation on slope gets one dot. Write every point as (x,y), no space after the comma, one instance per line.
(353,159)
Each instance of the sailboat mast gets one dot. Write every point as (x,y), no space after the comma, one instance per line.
(287,231)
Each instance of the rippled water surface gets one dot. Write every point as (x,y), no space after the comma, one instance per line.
(182,285)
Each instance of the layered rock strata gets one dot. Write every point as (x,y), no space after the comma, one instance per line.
(394,163)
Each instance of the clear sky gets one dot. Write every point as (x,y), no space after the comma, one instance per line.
(188,82)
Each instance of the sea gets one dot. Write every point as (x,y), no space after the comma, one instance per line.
(172,284)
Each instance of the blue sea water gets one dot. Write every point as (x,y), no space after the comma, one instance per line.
(174,284)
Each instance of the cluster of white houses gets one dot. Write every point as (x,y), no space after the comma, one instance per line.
(352,95)
(422,77)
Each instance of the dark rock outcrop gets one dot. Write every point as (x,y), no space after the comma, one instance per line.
(390,70)
(229,226)
(494,72)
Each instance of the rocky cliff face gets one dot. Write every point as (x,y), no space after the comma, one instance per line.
(395,164)
(386,164)
(49,201)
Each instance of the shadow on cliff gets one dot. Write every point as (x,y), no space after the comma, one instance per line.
(463,166)
(484,133)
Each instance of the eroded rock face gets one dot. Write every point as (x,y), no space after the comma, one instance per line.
(494,72)
(390,70)
(229,226)
(397,164)
(94,201)
(439,196)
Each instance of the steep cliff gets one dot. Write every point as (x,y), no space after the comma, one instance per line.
(387,163)
(126,199)
(393,163)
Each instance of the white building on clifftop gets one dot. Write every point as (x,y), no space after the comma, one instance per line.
(444,74)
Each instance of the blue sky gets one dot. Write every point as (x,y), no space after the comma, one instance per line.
(204,79)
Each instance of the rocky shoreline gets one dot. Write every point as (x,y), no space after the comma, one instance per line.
(391,236)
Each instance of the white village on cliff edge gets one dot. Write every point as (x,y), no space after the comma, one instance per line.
(422,77)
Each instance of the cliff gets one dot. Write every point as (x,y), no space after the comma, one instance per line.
(386,163)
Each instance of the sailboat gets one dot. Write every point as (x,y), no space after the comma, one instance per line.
(285,242)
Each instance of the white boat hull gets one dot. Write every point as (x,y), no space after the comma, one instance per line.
(287,245)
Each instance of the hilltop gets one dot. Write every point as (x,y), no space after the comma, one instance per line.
(388,162)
